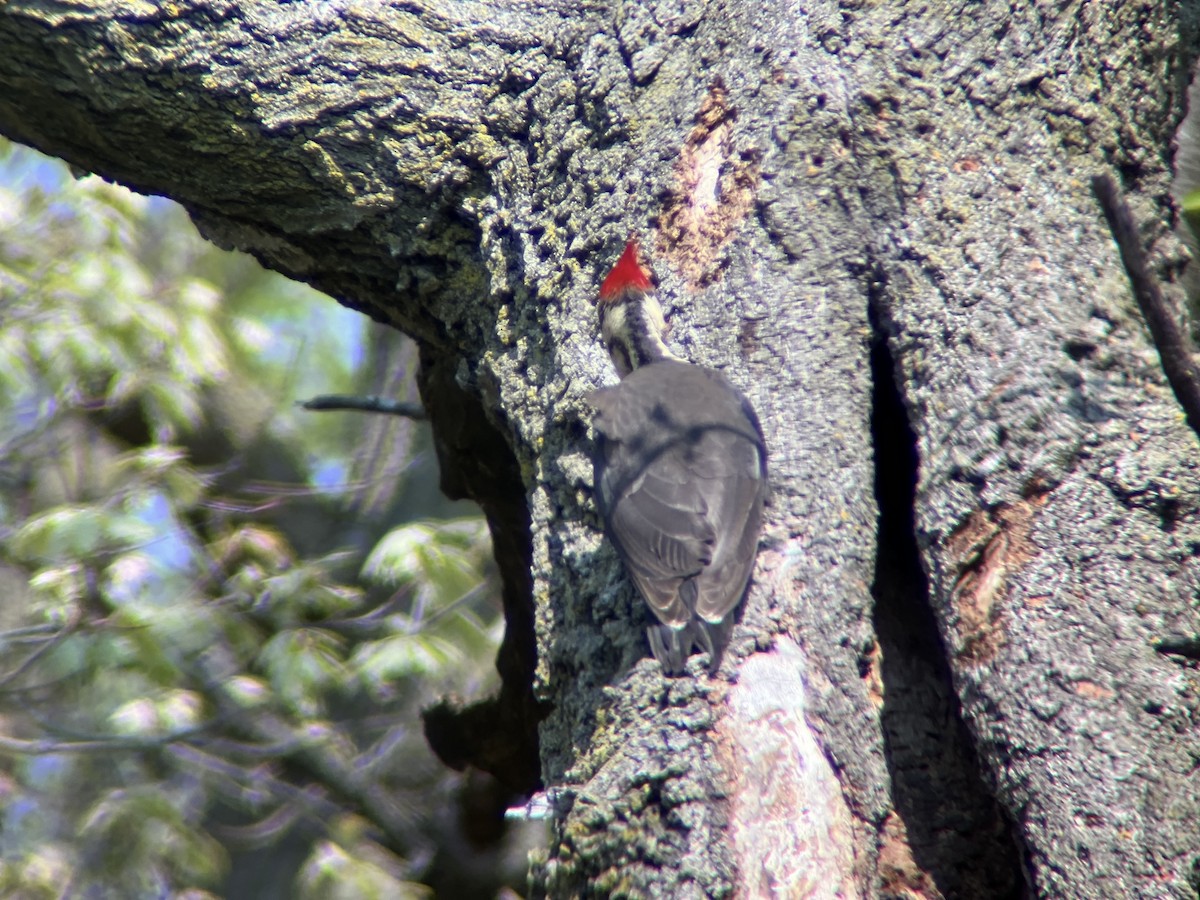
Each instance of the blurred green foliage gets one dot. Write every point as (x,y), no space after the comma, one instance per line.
(202,623)
(1191,211)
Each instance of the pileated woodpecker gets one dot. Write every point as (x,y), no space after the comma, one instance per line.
(680,471)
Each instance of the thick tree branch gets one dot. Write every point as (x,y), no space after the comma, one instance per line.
(340,144)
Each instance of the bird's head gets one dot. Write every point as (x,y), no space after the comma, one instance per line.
(631,320)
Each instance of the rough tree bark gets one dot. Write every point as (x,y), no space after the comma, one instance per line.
(876,219)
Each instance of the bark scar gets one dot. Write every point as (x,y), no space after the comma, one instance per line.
(987,548)
(712,194)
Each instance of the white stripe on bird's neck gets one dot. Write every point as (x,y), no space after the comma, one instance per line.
(633,330)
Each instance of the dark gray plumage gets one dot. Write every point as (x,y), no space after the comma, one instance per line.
(681,478)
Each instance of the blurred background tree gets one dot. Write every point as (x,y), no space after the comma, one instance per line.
(221,613)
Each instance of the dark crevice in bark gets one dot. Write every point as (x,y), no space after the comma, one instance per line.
(498,735)
(1173,342)
(957,832)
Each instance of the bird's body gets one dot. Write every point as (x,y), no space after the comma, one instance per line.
(681,480)
(681,474)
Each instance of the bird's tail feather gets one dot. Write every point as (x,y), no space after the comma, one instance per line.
(673,646)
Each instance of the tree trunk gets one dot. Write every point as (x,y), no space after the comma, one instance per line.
(876,219)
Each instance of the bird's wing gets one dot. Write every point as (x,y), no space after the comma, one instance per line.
(736,494)
(720,586)
(681,486)
(659,524)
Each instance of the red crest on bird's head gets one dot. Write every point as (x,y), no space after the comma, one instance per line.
(628,275)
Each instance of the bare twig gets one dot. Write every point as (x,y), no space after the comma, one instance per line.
(1174,348)
(227,747)
(266,830)
(254,789)
(19,747)
(30,634)
(24,665)
(382,751)
(48,746)
(68,737)
(365,404)
(314,749)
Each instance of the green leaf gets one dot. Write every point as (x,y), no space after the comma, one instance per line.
(332,873)
(40,875)
(134,828)
(77,532)
(253,543)
(303,664)
(60,585)
(302,594)
(442,560)
(1191,211)
(169,711)
(378,663)
(137,717)
(246,692)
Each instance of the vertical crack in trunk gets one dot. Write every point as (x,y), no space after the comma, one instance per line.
(959,841)
(498,735)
